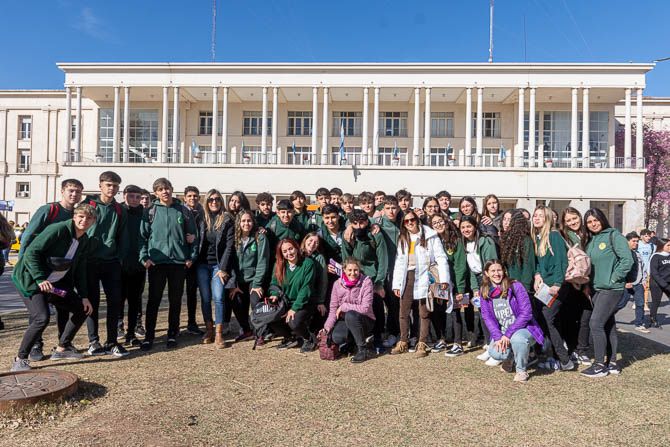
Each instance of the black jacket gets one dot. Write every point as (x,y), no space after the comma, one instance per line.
(659,266)
(225,242)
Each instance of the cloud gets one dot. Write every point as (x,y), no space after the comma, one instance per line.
(90,24)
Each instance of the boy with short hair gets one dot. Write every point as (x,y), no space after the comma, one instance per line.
(165,252)
(404,200)
(192,202)
(145,199)
(380,197)
(322,198)
(367,203)
(444,200)
(264,213)
(347,204)
(389,223)
(335,195)
(283,225)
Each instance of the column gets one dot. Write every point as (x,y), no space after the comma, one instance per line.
(417,135)
(364,140)
(77,135)
(264,128)
(126,123)
(627,132)
(224,127)
(531,129)
(315,122)
(639,131)
(574,131)
(375,128)
(163,156)
(175,126)
(518,153)
(275,106)
(215,122)
(426,130)
(586,143)
(324,131)
(68,120)
(468,126)
(480,124)
(115,143)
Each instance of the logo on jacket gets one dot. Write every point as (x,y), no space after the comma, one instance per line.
(602,246)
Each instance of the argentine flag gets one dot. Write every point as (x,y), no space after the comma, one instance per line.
(342,157)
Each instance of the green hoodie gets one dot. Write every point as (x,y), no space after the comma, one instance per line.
(253,261)
(164,239)
(108,231)
(277,231)
(554,263)
(131,261)
(298,284)
(373,256)
(465,278)
(524,273)
(40,221)
(391,234)
(611,260)
(54,242)
(303,218)
(331,249)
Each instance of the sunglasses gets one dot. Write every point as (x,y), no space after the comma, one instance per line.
(214,199)
(410,220)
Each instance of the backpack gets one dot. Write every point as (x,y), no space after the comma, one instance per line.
(266,312)
(579,265)
(53,213)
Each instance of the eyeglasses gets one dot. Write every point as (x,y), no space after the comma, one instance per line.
(438,223)
(214,199)
(410,220)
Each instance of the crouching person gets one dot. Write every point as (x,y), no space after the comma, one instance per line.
(49,272)
(351,314)
(295,275)
(508,315)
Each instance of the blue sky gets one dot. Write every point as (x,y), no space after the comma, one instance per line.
(35,38)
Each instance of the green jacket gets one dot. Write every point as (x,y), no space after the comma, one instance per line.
(54,242)
(298,284)
(524,273)
(372,255)
(391,234)
(40,221)
(277,231)
(303,218)
(611,260)
(131,260)
(252,263)
(331,249)
(465,278)
(554,263)
(573,238)
(320,278)
(163,240)
(108,231)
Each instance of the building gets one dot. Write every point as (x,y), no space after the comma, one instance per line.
(278,127)
(656,112)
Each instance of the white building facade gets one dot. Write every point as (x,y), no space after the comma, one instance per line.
(281,127)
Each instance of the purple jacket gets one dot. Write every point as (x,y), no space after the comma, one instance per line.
(523,313)
(357,298)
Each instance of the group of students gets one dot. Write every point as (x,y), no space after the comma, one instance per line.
(382,277)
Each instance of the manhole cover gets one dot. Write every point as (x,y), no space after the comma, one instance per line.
(28,387)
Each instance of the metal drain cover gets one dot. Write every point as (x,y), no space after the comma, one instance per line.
(18,389)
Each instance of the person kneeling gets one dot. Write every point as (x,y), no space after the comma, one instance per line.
(351,312)
(48,271)
(508,315)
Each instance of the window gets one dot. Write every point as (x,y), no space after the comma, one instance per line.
(442,124)
(251,154)
(142,135)
(73,128)
(556,133)
(206,122)
(440,156)
(490,125)
(352,122)
(598,136)
(106,134)
(252,123)
(24,161)
(299,123)
(25,127)
(386,157)
(301,156)
(352,155)
(490,156)
(526,132)
(23,190)
(392,124)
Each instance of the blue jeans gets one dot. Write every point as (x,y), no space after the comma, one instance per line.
(520,345)
(637,293)
(210,287)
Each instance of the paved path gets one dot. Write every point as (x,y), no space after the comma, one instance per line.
(10,301)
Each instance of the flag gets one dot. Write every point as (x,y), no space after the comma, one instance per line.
(502,155)
(342,157)
(242,150)
(195,149)
(396,156)
(293,149)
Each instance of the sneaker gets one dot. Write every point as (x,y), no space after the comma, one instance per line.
(642,328)
(484,356)
(596,370)
(361,356)
(439,346)
(20,365)
(390,341)
(96,348)
(36,353)
(193,329)
(288,343)
(171,343)
(613,368)
(132,342)
(550,364)
(421,349)
(584,360)
(120,332)
(146,346)
(568,366)
(521,376)
(2,325)
(412,344)
(574,357)
(507,366)
(244,336)
(492,362)
(140,332)
(70,353)
(454,351)
(116,350)
(308,346)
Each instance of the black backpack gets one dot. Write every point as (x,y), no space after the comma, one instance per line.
(268,311)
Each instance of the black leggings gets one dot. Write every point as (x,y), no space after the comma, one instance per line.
(240,305)
(457,316)
(439,318)
(603,324)
(354,324)
(656,295)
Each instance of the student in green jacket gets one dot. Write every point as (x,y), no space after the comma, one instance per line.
(552,262)
(49,271)
(107,250)
(332,235)
(611,260)
(252,266)
(389,224)
(166,253)
(299,201)
(295,275)
(283,225)
(322,199)
(264,212)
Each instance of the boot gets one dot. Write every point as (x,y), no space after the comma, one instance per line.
(209,333)
(421,349)
(400,348)
(219,342)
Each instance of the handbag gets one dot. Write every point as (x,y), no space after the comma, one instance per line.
(434,290)
(327,349)
(268,311)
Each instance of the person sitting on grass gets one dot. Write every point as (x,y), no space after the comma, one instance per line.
(507,313)
(48,272)
(351,314)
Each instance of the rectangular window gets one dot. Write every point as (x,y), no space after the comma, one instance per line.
(442,124)
(442,156)
(490,125)
(142,136)
(252,123)
(352,155)
(352,122)
(301,156)
(73,128)
(23,190)
(25,127)
(24,160)
(205,123)
(299,123)
(392,124)
(526,133)
(490,156)
(105,134)
(251,155)
(386,157)
(598,136)
(556,137)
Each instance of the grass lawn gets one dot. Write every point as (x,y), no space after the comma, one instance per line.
(197,395)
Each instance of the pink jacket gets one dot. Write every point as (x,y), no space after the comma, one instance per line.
(357,298)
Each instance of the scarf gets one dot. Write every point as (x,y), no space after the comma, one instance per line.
(350,283)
